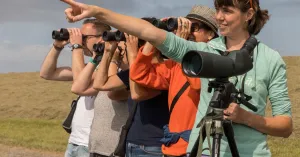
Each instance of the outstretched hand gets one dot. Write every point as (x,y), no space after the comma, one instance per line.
(79,11)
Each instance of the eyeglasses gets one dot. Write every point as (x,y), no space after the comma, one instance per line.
(85,37)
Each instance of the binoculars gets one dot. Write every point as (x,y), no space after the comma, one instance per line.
(118,36)
(113,36)
(170,25)
(99,48)
(61,35)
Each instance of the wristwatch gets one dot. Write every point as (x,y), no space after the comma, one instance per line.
(76,46)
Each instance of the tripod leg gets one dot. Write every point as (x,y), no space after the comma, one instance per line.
(216,145)
(217,136)
(195,150)
(227,125)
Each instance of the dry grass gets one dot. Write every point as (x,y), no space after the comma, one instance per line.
(290,147)
(26,95)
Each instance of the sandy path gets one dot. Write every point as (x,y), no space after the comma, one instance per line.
(8,151)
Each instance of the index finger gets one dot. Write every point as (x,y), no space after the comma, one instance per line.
(126,36)
(70,2)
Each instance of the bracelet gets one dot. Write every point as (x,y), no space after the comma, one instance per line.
(57,47)
(116,62)
(93,61)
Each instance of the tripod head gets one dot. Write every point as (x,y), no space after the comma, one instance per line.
(208,65)
(226,93)
(213,123)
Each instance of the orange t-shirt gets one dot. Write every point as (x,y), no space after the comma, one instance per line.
(169,76)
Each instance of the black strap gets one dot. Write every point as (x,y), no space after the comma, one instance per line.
(67,123)
(183,88)
(243,81)
(131,115)
(75,104)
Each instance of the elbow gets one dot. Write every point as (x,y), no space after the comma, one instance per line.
(97,87)
(75,90)
(137,97)
(288,132)
(112,96)
(287,128)
(45,76)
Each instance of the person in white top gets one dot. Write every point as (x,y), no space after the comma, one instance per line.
(81,41)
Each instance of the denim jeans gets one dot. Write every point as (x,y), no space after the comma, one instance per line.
(133,150)
(74,150)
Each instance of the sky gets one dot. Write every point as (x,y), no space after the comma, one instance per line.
(26,26)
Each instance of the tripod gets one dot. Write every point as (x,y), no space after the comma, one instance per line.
(213,123)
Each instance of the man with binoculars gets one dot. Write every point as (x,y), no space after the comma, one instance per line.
(83,139)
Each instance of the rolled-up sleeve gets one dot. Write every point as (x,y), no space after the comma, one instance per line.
(278,90)
(143,72)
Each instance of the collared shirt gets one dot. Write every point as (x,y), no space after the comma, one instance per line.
(267,79)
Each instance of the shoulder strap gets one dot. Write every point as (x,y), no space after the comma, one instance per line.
(183,88)
(131,115)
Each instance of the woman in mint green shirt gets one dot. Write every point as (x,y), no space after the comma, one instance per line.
(237,19)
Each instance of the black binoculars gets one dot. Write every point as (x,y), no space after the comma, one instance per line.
(170,25)
(113,36)
(118,36)
(99,48)
(61,35)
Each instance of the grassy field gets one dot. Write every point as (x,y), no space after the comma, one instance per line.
(32,109)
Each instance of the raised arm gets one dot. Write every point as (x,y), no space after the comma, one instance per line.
(77,54)
(143,29)
(118,62)
(83,85)
(143,72)
(49,69)
(103,81)
(170,45)
(138,92)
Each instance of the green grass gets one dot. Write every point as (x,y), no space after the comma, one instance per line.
(48,135)
(32,133)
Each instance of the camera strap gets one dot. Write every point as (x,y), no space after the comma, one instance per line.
(242,90)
